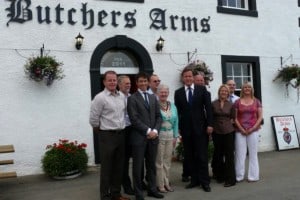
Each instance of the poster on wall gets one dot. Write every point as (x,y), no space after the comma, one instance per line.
(285,132)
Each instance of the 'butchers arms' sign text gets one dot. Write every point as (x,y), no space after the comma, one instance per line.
(22,11)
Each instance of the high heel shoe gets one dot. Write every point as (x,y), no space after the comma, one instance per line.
(169,188)
(161,190)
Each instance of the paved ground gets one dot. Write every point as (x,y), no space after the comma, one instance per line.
(280,180)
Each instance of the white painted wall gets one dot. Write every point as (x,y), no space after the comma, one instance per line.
(33,115)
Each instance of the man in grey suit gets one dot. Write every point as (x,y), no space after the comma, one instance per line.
(144,113)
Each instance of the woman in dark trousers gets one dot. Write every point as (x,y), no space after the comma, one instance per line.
(223,138)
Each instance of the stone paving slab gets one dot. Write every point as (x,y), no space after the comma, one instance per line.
(280,180)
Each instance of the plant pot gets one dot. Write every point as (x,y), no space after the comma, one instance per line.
(68,175)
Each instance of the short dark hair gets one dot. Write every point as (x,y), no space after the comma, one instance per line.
(186,69)
(142,75)
(109,72)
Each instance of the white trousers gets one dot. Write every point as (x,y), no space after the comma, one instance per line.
(163,162)
(241,144)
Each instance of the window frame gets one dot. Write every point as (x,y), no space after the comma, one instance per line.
(254,60)
(251,11)
(136,1)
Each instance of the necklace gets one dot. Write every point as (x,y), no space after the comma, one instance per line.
(164,106)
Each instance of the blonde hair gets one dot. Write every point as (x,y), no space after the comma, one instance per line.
(242,90)
(223,86)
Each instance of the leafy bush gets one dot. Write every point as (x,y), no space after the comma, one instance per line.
(64,157)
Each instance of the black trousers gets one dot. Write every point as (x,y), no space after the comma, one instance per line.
(126,182)
(111,146)
(224,157)
(196,155)
(145,152)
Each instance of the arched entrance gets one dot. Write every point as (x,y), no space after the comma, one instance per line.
(119,44)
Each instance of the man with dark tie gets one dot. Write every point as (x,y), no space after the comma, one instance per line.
(195,124)
(144,113)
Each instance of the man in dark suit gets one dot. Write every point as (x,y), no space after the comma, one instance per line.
(195,124)
(144,113)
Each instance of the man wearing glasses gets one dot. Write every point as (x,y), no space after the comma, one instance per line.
(154,82)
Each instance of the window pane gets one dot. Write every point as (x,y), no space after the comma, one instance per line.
(232,3)
(224,2)
(238,82)
(229,69)
(237,69)
(118,58)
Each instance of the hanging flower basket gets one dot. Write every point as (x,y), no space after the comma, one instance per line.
(290,76)
(44,68)
(199,66)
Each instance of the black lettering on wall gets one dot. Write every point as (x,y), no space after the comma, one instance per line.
(173,25)
(58,11)
(102,15)
(85,12)
(130,20)
(158,18)
(205,25)
(114,18)
(19,11)
(40,14)
(189,21)
(70,16)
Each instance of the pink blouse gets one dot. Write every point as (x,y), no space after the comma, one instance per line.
(247,115)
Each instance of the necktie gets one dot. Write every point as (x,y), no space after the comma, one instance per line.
(190,95)
(146,99)
(231,98)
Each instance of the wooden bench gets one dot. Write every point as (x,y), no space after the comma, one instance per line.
(7,149)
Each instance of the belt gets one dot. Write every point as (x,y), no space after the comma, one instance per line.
(118,131)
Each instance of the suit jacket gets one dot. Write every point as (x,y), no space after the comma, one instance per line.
(142,117)
(196,117)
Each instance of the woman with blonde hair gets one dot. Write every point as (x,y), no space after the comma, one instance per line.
(223,137)
(248,120)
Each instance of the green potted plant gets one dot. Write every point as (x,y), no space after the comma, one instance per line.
(290,76)
(65,158)
(43,68)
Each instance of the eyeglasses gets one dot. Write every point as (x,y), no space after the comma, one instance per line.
(156,81)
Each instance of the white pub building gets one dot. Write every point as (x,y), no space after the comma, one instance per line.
(244,40)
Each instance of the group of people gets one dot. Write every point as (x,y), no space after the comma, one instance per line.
(145,126)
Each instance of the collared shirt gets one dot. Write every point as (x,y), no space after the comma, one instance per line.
(108,111)
(187,90)
(232,98)
(223,117)
(127,120)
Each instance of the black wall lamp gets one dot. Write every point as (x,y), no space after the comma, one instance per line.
(78,41)
(160,44)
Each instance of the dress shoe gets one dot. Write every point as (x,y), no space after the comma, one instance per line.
(144,186)
(227,184)
(191,185)
(155,195)
(185,179)
(120,198)
(129,191)
(206,188)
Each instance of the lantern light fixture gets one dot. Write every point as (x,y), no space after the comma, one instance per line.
(160,44)
(78,41)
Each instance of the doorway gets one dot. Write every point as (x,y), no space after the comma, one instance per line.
(123,55)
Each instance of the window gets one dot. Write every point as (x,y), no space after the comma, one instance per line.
(239,4)
(121,61)
(242,69)
(239,72)
(138,1)
(238,7)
